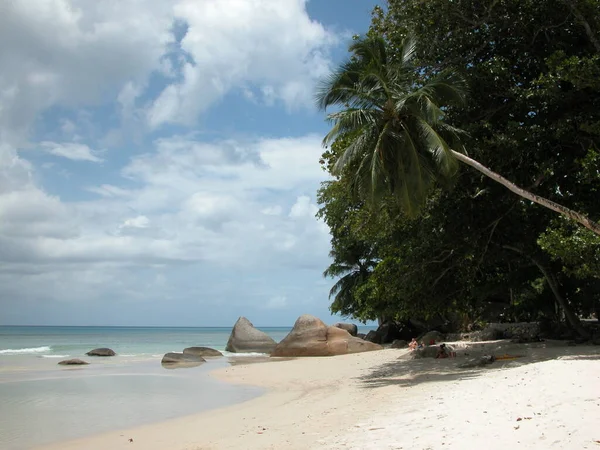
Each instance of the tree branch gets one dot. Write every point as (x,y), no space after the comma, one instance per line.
(574,215)
(583,21)
(551,280)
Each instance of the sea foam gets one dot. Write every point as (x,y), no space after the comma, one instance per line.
(248,354)
(24,351)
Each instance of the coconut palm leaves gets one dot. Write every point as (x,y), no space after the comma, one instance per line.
(352,273)
(400,144)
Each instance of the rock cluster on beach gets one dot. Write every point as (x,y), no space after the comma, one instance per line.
(245,338)
(399,343)
(430,336)
(388,332)
(311,337)
(190,357)
(520,332)
(349,327)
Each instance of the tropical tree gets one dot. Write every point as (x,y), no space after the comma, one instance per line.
(353,271)
(401,145)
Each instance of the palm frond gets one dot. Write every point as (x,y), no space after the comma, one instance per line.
(439,149)
(408,50)
(359,146)
(401,144)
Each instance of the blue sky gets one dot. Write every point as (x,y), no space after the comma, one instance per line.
(159,160)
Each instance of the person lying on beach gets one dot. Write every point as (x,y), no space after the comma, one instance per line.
(442,353)
(413,344)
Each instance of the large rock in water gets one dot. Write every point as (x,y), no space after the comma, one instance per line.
(181,359)
(73,362)
(201,351)
(349,327)
(245,338)
(311,337)
(101,352)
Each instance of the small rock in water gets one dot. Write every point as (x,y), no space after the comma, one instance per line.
(181,360)
(73,362)
(101,352)
(202,351)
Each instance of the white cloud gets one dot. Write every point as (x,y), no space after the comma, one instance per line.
(278,302)
(15,172)
(93,252)
(272,210)
(71,150)
(77,53)
(303,207)
(177,220)
(136,222)
(189,207)
(266,48)
(30,213)
(72,53)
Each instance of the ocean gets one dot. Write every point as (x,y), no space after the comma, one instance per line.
(43,402)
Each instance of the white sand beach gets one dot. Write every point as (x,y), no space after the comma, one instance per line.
(549,398)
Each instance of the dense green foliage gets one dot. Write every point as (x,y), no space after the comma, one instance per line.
(400,142)
(533,115)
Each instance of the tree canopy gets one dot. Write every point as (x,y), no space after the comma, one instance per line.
(533,114)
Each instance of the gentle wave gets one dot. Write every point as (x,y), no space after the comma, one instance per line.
(230,354)
(54,356)
(24,351)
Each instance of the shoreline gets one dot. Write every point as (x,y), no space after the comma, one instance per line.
(383,399)
(50,406)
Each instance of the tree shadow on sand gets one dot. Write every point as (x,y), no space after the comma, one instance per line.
(407,371)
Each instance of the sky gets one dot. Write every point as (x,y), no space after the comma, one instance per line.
(159,159)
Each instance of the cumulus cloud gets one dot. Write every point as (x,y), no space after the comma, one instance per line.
(247,208)
(71,54)
(177,217)
(71,150)
(60,52)
(270,50)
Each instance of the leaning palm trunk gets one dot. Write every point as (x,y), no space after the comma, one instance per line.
(574,215)
(399,141)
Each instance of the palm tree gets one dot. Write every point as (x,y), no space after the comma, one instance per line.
(352,273)
(400,143)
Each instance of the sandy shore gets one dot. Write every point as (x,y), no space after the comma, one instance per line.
(549,398)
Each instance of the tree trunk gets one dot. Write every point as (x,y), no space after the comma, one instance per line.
(574,215)
(584,23)
(566,308)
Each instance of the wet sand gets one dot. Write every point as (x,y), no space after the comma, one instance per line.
(548,398)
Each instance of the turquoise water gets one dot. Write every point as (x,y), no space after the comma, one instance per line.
(127,342)
(42,402)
